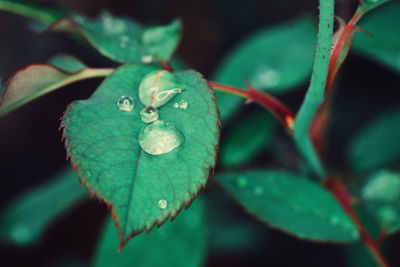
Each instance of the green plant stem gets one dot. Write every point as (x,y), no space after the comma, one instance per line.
(273,105)
(338,189)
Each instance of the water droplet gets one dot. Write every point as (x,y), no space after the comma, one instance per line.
(334,220)
(157,88)
(125,103)
(20,233)
(242,181)
(159,138)
(147,59)
(258,191)
(182,104)
(149,114)
(124,41)
(162,203)
(265,77)
(112,25)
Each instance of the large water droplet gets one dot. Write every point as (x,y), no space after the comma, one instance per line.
(149,114)
(182,104)
(125,103)
(157,88)
(159,138)
(162,203)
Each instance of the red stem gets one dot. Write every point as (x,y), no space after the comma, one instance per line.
(276,107)
(338,189)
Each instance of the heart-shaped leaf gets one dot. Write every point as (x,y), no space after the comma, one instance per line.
(276,60)
(146,172)
(39,79)
(291,203)
(181,243)
(123,40)
(26,218)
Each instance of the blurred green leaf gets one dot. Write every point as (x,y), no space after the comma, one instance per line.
(276,60)
(231,232)
(180,243)
(384,44)
(358,256)
(30,9)
(381,195)
(26,218)
(123,40)
(247,138)
(113,149)
(291,203)
(316,91)
(376,145)
(39,79)
(67,63)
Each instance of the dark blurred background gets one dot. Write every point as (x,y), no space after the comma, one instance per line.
(30,141)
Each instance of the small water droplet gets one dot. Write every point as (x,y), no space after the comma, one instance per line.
(149,114)
(159,138)
(147,59)
(125,103)
(334,220)
(265,77)
(242,182)
(124,41)
(157,88)
(258,191)
(182,104)
(112,25)
(162,203)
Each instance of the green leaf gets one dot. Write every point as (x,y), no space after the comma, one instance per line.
(376,146)
(67,63)
(39,79)
(291,203)
(181,243)
(276,60)
(381,195)
(124,40)
(247,138)
(30,9)
(143,188)
(358,255)
(384,44)
(26,218)
(315,92)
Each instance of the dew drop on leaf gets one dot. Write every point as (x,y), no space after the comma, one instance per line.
(147,59)
(182,104)
(159,138)
(242,181)
(124,41)
(149,114)
(157,88)
(265,77)
(334,220)
(20,233)
(258,191)
(162,203)
(125,103)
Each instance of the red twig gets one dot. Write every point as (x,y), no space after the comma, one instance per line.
(276,107)
(337,188)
